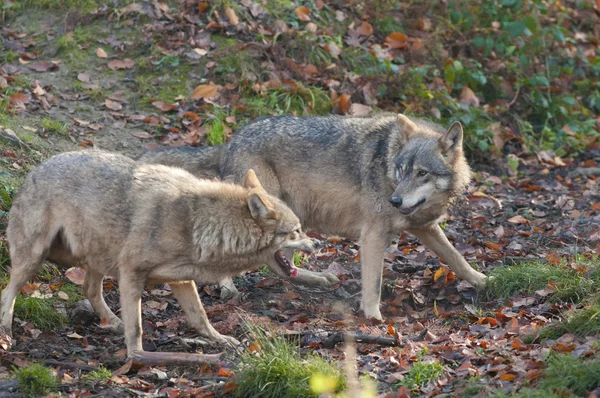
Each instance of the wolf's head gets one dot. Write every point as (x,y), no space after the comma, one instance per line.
(278,221)
(426,165)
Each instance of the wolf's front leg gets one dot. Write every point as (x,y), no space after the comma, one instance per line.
(228,289)
(372,249)
(434,238)
(131,285)
(186,294)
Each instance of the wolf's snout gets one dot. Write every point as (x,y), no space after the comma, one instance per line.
(396,201)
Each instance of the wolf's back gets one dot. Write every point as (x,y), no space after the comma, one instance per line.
(203,162)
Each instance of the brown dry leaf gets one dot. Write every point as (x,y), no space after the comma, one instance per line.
(163,106)
(396,40)
(18,98)
(440,272)
(468,97)
(84,77)
(233,18)
(116,64)
(224,372)
(365,29)
(100,53)
(202,6)
(344,103)
(3,82)
(140,134)
(75,335)
(360,110)
(204,91)
(43,66)
(517,220)
(113,105)
(75,275)
(303,14)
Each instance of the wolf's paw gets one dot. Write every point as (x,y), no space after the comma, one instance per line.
(227,294)
(318,279)
(478,280)
(226,340)
(373,313)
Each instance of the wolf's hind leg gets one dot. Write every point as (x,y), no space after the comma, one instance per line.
(435,239)
(186,294)
(228,289)
(24,263)
(92,286)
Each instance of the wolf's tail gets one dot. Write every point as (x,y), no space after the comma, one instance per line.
(203,162)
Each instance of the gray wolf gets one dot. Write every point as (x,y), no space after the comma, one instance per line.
(360,177)
(144,224)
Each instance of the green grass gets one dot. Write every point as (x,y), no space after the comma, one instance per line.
(580,322)
(100,375)
(54,126)
(527,277)
(279,370)
(422,373)
(36,380)
(40,312)
(575,375)
(81,5)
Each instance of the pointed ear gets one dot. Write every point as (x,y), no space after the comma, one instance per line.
(407,126)
(251,181)
(260,208)
(452,139)
(406,129)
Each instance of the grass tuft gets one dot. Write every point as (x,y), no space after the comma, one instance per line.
(580,322)
(525,278)
(54,126)
(40,312)
(36,380)
(100,375)
(566,373)
(422,373)
(277,369)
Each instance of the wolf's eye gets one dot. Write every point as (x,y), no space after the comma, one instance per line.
(422,173)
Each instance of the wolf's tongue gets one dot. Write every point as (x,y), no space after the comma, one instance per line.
(293,271)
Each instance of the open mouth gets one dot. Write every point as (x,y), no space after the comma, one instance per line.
(409,210)
(285,265)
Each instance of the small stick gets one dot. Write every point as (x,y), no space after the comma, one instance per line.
(173,358)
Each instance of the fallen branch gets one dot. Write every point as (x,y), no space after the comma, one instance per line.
(588,171)
(339,337)
(173,358)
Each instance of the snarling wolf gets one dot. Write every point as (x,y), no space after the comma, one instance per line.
(144,224)
(360,177)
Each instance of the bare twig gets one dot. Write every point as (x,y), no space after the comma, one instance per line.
(174,358)
(512,102)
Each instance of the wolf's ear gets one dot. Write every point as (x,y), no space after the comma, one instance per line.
(407,126)
(452,139)
(251,181)
(260,208)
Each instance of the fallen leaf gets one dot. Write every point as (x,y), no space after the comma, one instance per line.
(140,134)
(163,106)
(224,372)
(360,110)
(518,220)
(365,29)
(43,66)
(396,40)
(204,91)
(84,77)
(100,53)
(233,18)
(303,13)
(116,64)
(18,98)
(268,282)
(468,97)
(113,105)
(75,275)
(63,296)
(74,335)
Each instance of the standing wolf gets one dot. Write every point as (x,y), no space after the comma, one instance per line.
(143,224)
(367,178)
